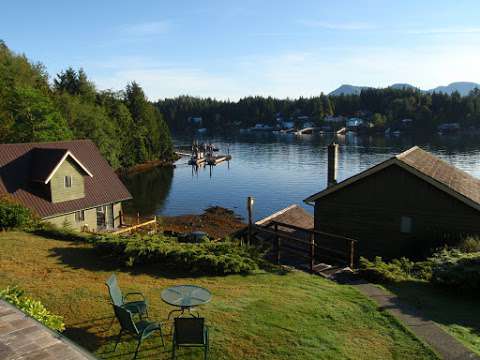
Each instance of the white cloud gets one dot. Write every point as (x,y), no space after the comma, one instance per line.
(345,26)
(293,74)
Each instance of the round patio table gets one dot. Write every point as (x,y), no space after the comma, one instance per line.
(185,297)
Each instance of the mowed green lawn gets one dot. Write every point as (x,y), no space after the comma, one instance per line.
(290,315)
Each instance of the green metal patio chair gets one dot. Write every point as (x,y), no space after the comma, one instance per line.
(140,330)
(190,332)
(118,299)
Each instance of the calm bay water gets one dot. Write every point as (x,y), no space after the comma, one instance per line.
(278,170)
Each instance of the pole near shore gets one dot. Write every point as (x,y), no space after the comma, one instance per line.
(250,201)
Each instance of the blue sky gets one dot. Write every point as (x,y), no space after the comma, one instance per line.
(230,49)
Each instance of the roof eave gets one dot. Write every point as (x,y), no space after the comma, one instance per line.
(68,153)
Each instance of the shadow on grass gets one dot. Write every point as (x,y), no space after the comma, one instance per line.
(99,336)
(89,258)
(441,305)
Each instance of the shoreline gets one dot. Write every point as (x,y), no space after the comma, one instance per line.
(139,168)
(216,221)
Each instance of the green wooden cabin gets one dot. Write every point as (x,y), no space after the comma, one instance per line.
(66,183)
(404,206)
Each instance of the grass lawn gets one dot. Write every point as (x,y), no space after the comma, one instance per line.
(261,316)
(458,314)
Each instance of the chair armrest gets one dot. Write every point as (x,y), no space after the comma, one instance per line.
(134,294)
(152,327)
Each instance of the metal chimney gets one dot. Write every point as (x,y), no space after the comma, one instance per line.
(332,164)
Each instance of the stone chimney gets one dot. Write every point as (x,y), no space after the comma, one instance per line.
(332,164)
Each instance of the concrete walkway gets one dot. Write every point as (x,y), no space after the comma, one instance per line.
(443,343)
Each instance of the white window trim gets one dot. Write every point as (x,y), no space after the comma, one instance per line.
(82,213)
(65,181)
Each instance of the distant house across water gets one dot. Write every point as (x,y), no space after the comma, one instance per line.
(66,183)
(195,120)
(354,123)
(404,206)
(334,119)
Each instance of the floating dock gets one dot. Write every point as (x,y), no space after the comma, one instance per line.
(197,161)
(214,160)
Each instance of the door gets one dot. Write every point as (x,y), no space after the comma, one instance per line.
(109,215)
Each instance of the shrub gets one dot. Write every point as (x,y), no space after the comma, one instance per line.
(455,268)
(470,244)
(14,215)
(223,257)
(397,270)
(51,231)
(33,308)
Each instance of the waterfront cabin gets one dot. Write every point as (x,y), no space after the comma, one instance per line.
(404,206)
(195,120)
(67,183)
(334,119)
(354,123)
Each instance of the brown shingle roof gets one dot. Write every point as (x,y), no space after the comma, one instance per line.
(421,163)
(44,162)
(442,172)
(18,162)
(292,215)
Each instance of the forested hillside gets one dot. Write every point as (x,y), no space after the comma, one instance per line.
(126,127)
(387,107)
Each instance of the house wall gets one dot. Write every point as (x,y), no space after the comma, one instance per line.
(371,210)
(58,190)
(68,220)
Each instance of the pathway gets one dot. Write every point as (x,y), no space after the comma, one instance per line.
(22,337)
(443,343)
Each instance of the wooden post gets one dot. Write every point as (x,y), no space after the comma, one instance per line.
(250,201)
(155,223)
(312,252)
(351,254)
(277,245)
(138,218)
(332,159)
(121,217)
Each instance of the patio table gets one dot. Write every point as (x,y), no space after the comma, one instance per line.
(185,297)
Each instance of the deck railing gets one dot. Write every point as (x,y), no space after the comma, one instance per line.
(312,246)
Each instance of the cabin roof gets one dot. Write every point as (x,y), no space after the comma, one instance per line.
(45,162)
(292,215)
(23,165)
(426,166)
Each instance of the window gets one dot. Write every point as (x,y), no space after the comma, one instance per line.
(80,216)
(68,181)
(406,225)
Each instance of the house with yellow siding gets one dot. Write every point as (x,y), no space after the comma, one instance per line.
(67,183)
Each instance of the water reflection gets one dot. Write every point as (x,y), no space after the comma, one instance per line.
(277,170)
(150,189)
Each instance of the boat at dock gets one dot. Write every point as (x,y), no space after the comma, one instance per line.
(205,154)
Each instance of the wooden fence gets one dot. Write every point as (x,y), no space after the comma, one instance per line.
(308,244)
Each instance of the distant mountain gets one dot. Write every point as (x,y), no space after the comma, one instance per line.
(348,90)
(400,86)
(463,88)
